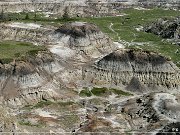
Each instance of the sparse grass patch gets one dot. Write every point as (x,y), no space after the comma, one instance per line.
(60,105)
(85,93)
(105,91)
(28,123)
(120,92)
(69,120)
(10,50)
(42,104)
(65,106)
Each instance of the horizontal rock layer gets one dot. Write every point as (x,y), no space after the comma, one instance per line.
(137,70)
(73,10)
(27,77)
(39,36)
(83,41)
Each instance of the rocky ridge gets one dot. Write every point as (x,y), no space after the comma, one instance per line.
(86,40)
(136,70)
(73,9)
(166,28)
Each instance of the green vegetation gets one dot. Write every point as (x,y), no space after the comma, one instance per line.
(10,50)
(120,92)
(125,25)
(28,123)
(46,103)
(40,18)
(125,28)
(40,104)
(102,92)
(27,16)
(85,92)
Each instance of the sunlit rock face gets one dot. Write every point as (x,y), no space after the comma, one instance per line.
(136,70)
(83,42)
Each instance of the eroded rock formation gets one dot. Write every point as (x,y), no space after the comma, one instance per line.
(137,70)
(79,55)
(23,81)
(165,28)
(79,40)
(85,41)
(16,31)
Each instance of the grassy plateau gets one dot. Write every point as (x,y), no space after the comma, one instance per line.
(10,50)
(122,28)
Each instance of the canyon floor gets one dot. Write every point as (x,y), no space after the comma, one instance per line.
(93,75)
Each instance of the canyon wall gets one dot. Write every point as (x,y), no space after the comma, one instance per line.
(39,35)
(73,10)
(81,8)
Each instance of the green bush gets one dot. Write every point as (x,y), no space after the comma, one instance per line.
(42,104)
(120,92)
(100,91)
(85,93)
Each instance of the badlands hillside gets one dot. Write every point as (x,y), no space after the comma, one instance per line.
(78,67)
